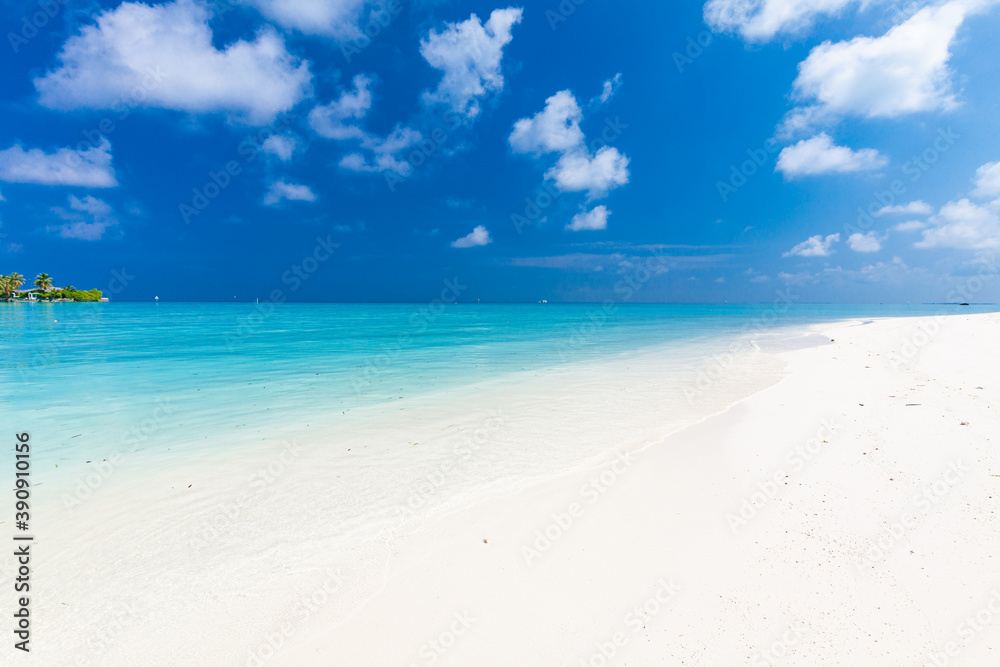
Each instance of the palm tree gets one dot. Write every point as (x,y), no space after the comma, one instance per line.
(5,287)
(43,282)
(14,282)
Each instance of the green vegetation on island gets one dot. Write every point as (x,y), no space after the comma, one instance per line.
(44,290)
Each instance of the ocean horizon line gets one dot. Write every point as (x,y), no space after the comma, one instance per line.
(546,303)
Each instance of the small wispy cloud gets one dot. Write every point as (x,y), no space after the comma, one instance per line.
(623,261)
(814,246)
(909,226)
(282,146)
(870,242)
(282,190)
(340,118)
(819,155)
(89,168)
(477,237)
(87,219)
(595,219)
(918,207)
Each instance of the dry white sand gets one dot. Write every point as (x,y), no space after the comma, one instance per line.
(845,515)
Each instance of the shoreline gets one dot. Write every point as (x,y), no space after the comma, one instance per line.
(245,509)
(747,589)
(361,606)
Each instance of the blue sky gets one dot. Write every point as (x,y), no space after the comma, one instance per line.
(576,151)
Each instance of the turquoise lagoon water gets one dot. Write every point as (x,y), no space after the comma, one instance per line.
(88,379)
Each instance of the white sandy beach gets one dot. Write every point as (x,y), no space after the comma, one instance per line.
(844,514)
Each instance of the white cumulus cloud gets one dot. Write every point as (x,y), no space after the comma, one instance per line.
(469,54)
(761,20)
(554,129)
(334,18)
(819,155)
(595,219)
(869,242)
(902,72)
(596,174)
(89,168)
(988,180)
(814,246)
(963,225)
(164,56)
(281,190)
(477,237)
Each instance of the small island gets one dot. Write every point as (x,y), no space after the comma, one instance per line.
(44,290)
